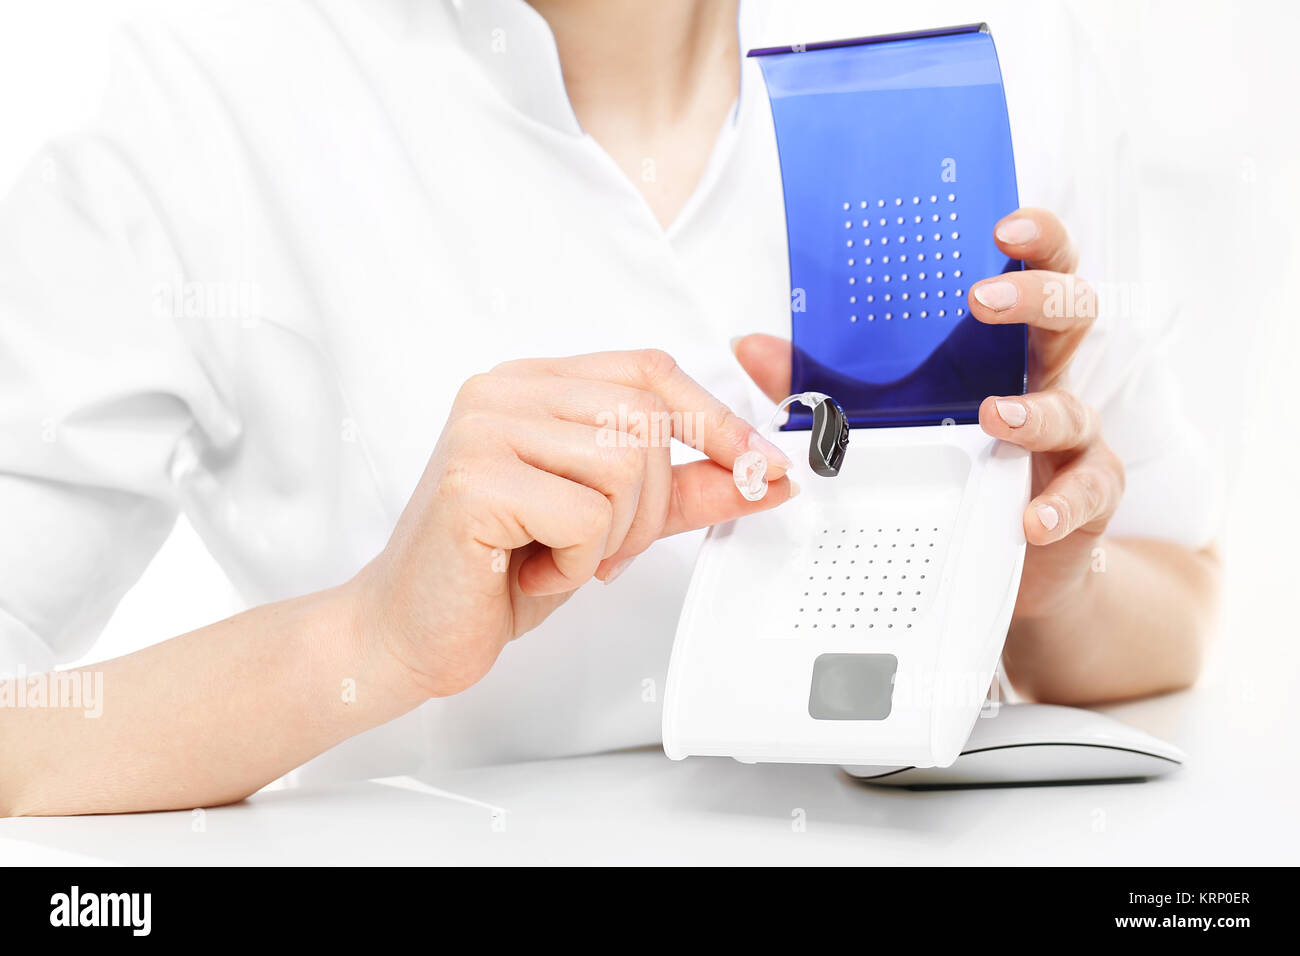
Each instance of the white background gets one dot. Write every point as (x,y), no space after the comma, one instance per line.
(1216,77)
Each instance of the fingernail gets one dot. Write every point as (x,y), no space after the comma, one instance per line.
(1011,412)
(774,455)
(1016,232)
(794,489)
(998,296)
(734,340)
(1048,516)
(618,569)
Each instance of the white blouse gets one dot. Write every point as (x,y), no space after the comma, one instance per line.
(250,291)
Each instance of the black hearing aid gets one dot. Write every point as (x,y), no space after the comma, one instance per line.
(830,438)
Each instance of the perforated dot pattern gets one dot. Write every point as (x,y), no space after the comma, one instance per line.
(902,259)
(873,578)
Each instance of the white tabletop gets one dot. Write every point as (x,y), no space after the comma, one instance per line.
(1233,803)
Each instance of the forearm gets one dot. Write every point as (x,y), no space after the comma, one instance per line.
(1136,627)
(206,718)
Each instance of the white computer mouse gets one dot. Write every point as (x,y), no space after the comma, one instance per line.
(1026,744)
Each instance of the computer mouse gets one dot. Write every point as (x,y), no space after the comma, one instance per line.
(1040,744)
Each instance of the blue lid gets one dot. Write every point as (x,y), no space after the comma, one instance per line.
(896,164)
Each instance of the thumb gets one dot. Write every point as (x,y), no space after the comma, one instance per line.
(767,360)
(705,494)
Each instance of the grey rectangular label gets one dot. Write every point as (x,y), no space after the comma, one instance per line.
(852,686)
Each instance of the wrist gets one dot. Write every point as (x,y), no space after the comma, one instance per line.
(374,642)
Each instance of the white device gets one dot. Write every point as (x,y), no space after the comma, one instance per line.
(1038,744)
(860,623)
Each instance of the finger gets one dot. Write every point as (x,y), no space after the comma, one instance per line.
(1041,421)
(766,359)
(637,412)
(651,511)
(1082,496)
(1056,301)
(1037,237)
(698,418)
(704,494)
(603,459)
(528,504)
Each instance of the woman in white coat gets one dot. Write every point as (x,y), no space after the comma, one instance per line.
(306,281)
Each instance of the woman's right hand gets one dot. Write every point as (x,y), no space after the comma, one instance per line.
(549,472)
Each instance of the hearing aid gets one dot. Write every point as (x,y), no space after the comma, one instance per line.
(826,448)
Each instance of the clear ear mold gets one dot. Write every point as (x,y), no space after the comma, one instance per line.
(749,473)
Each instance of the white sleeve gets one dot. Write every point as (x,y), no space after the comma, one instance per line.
(1173,490)
(97,385)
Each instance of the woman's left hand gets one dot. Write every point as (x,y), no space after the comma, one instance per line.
(1077,479)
